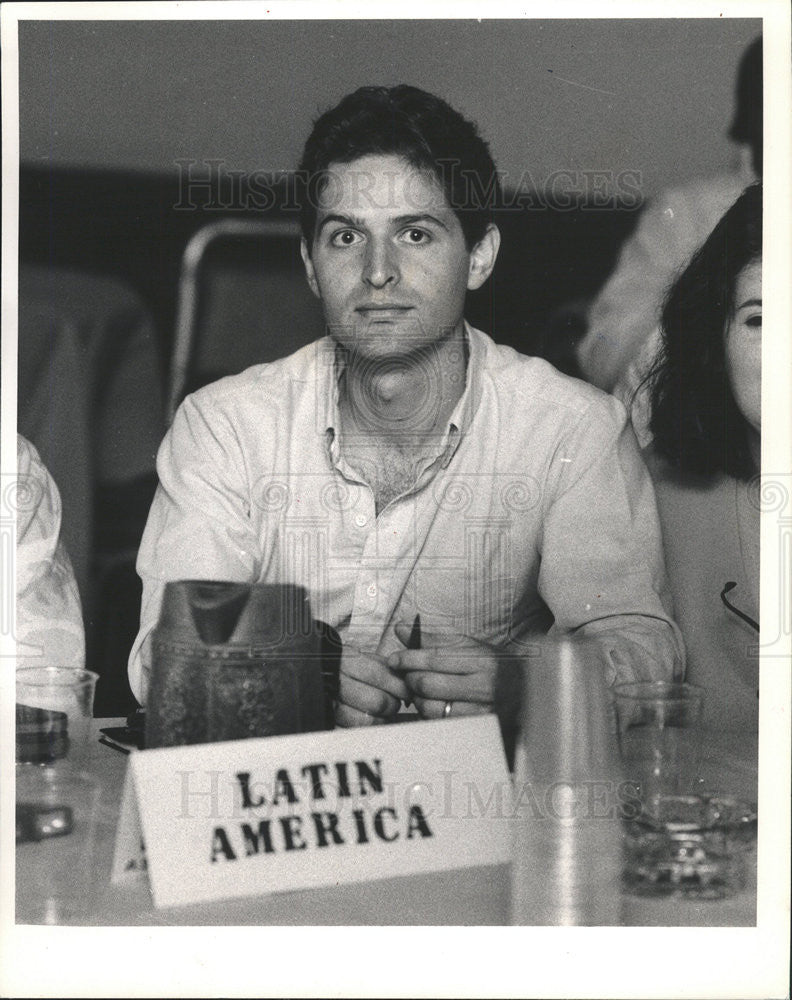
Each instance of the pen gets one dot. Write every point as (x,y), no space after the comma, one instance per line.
(414,642)
(113,746)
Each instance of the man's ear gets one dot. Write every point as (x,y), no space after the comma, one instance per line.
(483,257)
(310,274)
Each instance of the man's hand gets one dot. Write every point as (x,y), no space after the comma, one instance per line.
(448,668)
(368,692)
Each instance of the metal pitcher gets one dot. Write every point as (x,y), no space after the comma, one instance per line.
(233,661)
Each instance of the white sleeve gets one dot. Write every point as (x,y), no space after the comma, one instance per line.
(199,526)
(49,624)
(626,313)
(602,570)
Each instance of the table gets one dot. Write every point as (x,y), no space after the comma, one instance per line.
(473,896)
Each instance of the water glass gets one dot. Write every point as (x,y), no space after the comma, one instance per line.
(677,840)
(56,819)
(659,727)
(694,846)
(54,703)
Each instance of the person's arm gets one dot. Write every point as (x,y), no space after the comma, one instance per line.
(49,624)
(602,573)
(200,525)
(626,313)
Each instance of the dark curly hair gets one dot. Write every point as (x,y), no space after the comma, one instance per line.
(403,121)
(695,421)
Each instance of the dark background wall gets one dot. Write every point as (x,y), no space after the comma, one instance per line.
(109,108)
(650,95)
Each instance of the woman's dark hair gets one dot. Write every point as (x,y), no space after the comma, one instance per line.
(695,421)
(408,122)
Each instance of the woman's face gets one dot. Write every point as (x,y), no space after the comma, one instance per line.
(743,343)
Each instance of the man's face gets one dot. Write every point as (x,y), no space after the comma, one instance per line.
(389,260)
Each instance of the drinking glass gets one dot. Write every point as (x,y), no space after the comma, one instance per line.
(659,727)
(677,840)
(54,703)
(56,820)
(56,802)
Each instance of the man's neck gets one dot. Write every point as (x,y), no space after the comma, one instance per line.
(405,396)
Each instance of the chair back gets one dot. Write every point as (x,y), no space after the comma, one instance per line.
(243,300)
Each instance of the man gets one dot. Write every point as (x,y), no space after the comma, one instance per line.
(405,464)
(623,335)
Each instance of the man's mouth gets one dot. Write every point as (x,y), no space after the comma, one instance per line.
(383,313)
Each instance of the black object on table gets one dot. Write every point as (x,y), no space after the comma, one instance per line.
(42,735)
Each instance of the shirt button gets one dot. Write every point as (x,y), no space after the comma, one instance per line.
(361,520)
(371,590)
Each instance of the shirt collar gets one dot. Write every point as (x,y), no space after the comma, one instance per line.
(331,365)
(328,365)
(464,411)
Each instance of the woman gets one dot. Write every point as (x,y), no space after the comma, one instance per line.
(705,460)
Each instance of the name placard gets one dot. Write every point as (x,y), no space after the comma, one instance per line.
(250,817)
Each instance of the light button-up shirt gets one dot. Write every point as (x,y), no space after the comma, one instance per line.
(535,512)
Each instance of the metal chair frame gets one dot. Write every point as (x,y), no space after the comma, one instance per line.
(184,341)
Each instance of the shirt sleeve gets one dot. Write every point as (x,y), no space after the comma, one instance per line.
(626,313)
(602,573)
(623,323)
(199,526)
(49,624)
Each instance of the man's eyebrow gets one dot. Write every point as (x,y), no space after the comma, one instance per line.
(415,220)
(749,302)
(399,220)
(344,220)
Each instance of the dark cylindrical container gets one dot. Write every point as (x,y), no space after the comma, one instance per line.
(232,661)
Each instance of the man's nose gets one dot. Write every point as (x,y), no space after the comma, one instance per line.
(381,265)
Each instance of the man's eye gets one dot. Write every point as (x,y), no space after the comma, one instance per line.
(754,321)
(415,236)
(345,238)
